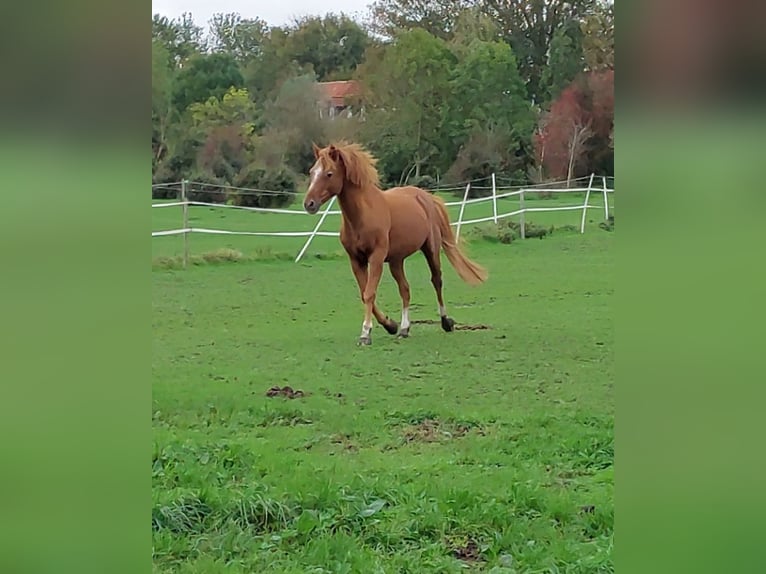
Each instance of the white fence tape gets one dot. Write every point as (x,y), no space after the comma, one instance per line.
(458,223)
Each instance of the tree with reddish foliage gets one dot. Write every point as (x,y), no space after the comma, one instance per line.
(573,137)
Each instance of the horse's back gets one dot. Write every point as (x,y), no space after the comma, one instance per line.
(408,203)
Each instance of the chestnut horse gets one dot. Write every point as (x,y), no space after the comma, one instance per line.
(385,226)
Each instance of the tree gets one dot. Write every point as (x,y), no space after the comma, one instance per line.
(388,18)
(293,123)
(206,76)
(181,37)
(213,140)
(599,86)
(242,39)
(406,85)
(574,136)
(598,37)
(529,27)
(579,136)
(163,112)
(234,108)
(487,104)
(564,132)
(333,45)
(473,24)
(565,60)
(274,64)
(487,90)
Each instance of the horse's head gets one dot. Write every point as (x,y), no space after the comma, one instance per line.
(327,176)
(335,166)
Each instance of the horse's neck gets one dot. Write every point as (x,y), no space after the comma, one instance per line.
(358,204)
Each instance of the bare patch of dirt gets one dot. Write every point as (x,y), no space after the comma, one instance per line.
(286,391)
(345,441)
(479,327)
(433,430)
(458,326)
(465,549)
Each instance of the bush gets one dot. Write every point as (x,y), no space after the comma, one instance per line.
(509,231)
(277,186)
(486,152)
(206,187)
(423,182)
(164,175)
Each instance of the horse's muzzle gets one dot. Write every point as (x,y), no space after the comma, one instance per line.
(311,206)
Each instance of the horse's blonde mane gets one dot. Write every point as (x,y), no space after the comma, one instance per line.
(358,162)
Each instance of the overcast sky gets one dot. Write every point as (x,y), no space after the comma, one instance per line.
(274,12)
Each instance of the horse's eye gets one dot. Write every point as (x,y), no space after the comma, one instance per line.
(329,174)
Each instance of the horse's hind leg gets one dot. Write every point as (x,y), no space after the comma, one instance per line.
(397,270)
(434,263)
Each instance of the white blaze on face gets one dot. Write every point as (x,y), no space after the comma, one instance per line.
(316,171)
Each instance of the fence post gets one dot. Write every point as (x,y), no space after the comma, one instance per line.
(310,238)
(585,205)
(494,198)
(185,208)
(606,199)
(462,209)
(521,215)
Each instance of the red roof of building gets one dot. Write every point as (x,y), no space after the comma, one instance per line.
(337,92)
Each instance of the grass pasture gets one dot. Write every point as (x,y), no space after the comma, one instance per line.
(486,450)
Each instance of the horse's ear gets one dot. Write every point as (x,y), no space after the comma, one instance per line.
(316,149)
(334,153)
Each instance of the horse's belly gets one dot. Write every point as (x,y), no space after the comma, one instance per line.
(409,231)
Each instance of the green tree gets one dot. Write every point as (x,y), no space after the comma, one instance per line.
(223,139)
(473,24)
(598,37)
(529,26)
(487,106)
(333,46)
(213,140)
(235,107)
(565,60)
(242,38)
(206,76)
(293,123)
(181,37)
(273,65)
(407,84)
(389,18)
(163,111)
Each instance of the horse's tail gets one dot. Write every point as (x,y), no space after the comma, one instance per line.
(469,271)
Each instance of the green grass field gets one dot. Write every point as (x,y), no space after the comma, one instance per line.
(479,450)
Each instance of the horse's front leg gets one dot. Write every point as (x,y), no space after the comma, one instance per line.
(360,270)
(375,270)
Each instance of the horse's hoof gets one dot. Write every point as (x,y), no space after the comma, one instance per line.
(448,324)
(392,328)
(364,341)
(404,333)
